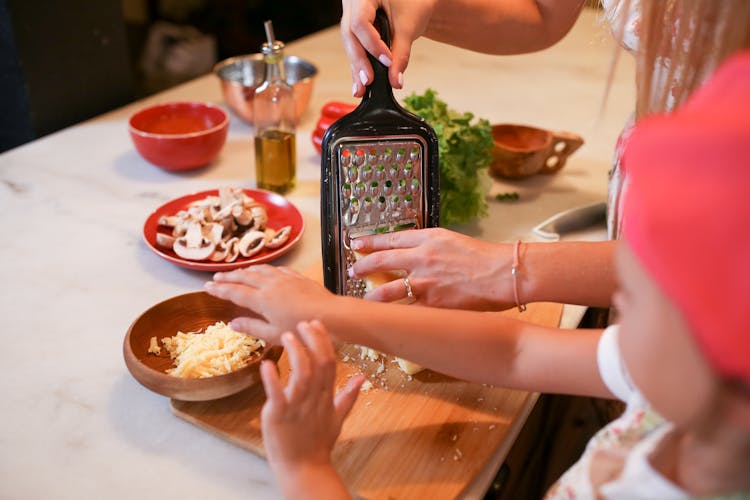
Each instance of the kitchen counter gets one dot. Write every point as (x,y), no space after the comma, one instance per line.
(76,272)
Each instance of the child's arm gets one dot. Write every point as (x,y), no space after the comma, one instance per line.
(301,422)
(482,347)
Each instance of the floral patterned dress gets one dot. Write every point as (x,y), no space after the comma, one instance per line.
(615,463)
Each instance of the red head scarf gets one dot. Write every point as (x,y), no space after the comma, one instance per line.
(687,212)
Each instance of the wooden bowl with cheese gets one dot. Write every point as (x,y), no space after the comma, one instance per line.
(183,348)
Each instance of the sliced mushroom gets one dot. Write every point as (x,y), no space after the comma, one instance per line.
(165,240)
(201,252)
(233,249)
(194,235)
(220,252)
(193,246)
(251,243)
(213,232)
(260,217)
(224,211)
(275,239)
(180,229)
(169,220)
(246,199)
(243,216)
(230,227)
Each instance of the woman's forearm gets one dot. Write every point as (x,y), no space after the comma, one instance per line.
(482,347)
(567,272)
(502,27)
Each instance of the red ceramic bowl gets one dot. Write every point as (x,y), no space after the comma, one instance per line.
(179,135)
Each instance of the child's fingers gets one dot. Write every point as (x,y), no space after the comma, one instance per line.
(345,398)
(241,294)
(316,338)
(251,276)
(257,328)
(275,401)
(299,362)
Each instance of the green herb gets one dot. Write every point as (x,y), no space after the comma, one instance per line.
(512,196)
(407,225)
(465,151)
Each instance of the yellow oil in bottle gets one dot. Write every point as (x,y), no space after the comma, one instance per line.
(275,160)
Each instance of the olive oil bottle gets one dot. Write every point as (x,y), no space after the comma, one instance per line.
(275,121)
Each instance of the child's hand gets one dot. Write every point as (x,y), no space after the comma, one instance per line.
(279,296)
(301,422)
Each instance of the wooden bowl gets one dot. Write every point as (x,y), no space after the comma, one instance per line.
(187,313)
(522,151)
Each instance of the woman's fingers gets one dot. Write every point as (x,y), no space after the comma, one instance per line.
(390,292)
(359,36)
(401,51)
(386,260)
(387,241)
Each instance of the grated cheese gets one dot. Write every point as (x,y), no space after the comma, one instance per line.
(218,351)
(153,346)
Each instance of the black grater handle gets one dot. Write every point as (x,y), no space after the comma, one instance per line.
(380,93)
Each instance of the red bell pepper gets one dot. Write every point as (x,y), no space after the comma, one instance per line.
(331,112)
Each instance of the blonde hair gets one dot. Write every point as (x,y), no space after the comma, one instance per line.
(681,42)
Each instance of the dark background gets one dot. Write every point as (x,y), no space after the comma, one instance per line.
(64,61)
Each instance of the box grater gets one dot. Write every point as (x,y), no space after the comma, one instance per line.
(379,173)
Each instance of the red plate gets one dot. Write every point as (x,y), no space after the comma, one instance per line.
(280,213)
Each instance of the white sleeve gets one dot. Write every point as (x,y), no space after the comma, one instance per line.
(611,367)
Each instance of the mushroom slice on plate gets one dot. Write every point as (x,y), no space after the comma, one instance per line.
(260,217)
(275,239)
(165,240)
(242,215)
(233,249)
(170,220)
(251,243)
(220,252)
(212,232)
(193,246)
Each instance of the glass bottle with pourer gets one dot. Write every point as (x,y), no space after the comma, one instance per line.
(275,121)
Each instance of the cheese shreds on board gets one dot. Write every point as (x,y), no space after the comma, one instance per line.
(218,351)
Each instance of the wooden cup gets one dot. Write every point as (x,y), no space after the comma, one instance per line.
(522,151)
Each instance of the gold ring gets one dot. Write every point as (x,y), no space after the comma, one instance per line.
(409,294)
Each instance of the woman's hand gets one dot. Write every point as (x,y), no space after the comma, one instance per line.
(445,268)
(408,20)
(279,297)
(301,422)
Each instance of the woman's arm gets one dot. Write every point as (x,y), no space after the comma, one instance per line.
(449,269)
(491,26)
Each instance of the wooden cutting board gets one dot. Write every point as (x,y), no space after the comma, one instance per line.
(426,436)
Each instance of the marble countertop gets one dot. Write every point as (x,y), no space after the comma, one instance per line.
(76,272)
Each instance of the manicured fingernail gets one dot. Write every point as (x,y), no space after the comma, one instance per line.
(209,285)
(401,79)
(363,77)
(350,272)
(355,87)
(385,60)
(357,245)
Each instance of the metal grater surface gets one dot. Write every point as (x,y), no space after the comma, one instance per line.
(380,184)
